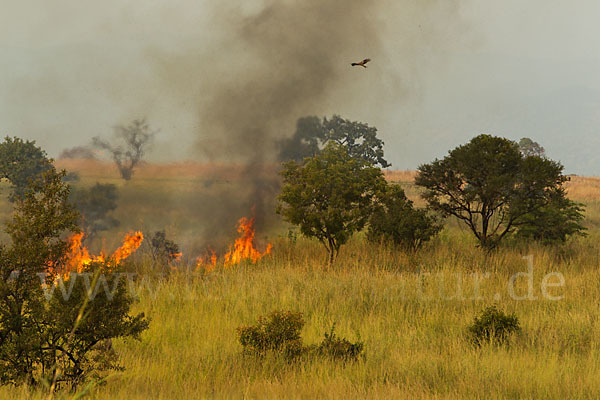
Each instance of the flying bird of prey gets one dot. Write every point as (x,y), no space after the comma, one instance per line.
(362,63)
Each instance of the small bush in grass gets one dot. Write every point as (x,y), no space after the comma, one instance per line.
(493,326)
(278,332)
(339,348)
(162,249)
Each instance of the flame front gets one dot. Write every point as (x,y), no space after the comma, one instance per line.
(78,256)
(130,244)
(208,262)
(243,249)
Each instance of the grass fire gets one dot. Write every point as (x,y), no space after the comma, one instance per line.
(299,199)
(242,250)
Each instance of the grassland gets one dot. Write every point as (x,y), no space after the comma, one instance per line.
(406,308)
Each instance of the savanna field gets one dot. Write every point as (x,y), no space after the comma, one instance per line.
(411,310)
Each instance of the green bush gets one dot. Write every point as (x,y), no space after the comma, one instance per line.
(330,196)
(279,333)
(395,220)
(21,162)
(493,326)
(339,348)
(492,188)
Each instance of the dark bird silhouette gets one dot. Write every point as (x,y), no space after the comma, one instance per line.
(362,63)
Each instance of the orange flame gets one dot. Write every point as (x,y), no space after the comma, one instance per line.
(130,244)
(207,262)
(78,256)
(242,249)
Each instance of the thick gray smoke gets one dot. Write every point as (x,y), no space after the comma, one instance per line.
(282,60)
(291,55)
(231,77)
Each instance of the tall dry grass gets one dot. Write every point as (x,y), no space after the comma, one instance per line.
(406,307)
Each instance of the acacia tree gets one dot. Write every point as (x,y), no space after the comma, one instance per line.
(312,134)
(330,196)
(490,186)
(21,162)
(134,139)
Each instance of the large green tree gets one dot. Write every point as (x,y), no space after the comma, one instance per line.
(312,134)
(330,196)
(490,186)
(21,162)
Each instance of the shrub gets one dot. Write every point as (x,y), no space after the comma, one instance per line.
(339,348)
(77,329)
(279,332)
(493,326)
(78,152)
(72,177)
(396,220)
(163,249)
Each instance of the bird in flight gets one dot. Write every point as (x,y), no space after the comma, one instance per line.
(362,63)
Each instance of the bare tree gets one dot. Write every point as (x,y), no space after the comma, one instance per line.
(134,139)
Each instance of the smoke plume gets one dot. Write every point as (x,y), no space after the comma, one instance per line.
(229,77)
(282,60)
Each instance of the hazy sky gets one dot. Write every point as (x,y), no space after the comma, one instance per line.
(443,71)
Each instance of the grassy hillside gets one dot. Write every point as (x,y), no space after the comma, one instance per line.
(410,310)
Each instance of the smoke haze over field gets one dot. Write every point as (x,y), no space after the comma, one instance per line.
(286,59)
(225,77)
(442,72)
(223,81)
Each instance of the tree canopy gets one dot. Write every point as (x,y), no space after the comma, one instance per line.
(530,148)
(330,196)
(22,162)
(312,134)
(490,186)
(49,334)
